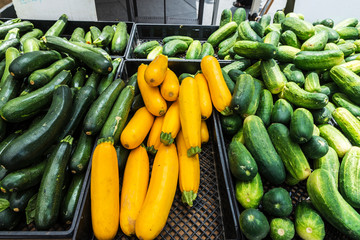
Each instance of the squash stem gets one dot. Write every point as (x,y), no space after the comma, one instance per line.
(193,151)
(188,197)
(166,138)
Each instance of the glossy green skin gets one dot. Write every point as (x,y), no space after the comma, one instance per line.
(321,116)
(120,40)
(27,63)
(222,33)
(247,33)
(255,50)
(273,27)
(347,48)
(272,38)
(341,100)
(272,76)
(282,112)
(78,35)
(234,74)
(226,16)
(228,80)
(137,103)
(174,47)
(82,153)
(289,38)
(238,64)
(95,32)
(348,124)
(2,66)
(265,20)
(254,70)
(329,89)
(301,125)
(186,39)
(348,22)
(242,165)
(194,50)
(133,82)
(19,199)
(290,152)
(335,139)
(293,74)
(230,124)
(303,29)
(26,148)
(316,42)
(249,193)
(79,78)
(258,28)
(253,224)
(3,172)
(308,223)
(122,156)
(333,36)
(14,42)
(258,142)
(93,60)
(145,48)
(13,33)
(10,55)
(9,138)
(286,54)
(93,80)
(315,148)
(31,45)
(334,209)
(239,15)
(277,202)
(105,37)
(318,60)
(230,41)
(58,27)
(255,99)
(348,33)
(24,107)
(282,229)
(101,107)
(94,49)
(312,82)
(265,107)
(352,58)
(106,81)
(35,33)
(243,91)
(49,197)
(206,49)
(279,16)
(9,90)
(23,26)
(9,219)
(329,162)
(71,199)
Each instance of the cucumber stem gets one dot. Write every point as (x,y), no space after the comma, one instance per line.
(166,138)
(192,151)
(188,197)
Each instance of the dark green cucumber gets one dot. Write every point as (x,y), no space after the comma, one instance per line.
(272,38)
(293,74)
(286,54)
(272,76)
(186,39)
(348,124)
(116,120)
(29,62)
(279,16)
(79,77)
(321,116)
(222,33)
(243,91)
(105,37)
(329,89)
(318,60)
(308,223)
(265,106)
(335,139)
(231,124)
(312,82)
(95,33)
(35,33)
(226,17)
(82,153)
(7,44)
(119,41)
(249,193)
(31,45)
(230,41)
(26,148)
(122,156)
(239,15)
(348,33)
(174,47)
(303,29)
(316,147)
(71,199)
(301,125)
(144,49)
(265,20)
(253,224)
(78,35)
(106,81)
(24,107)
(254,99)
(277,202)
(94,49)
(273,27)
(93,80)
(194,50)
(328,22)
(341,100)
(301,98)
(93,60)
(49,197)
(9,219)
(282,229)
(290,152)
(242,165)
(316,42)
(11,54)
(229,82)
(247,33)
(255,50)
(58,27)
(325,77)
(234,74)
(333,36)
(258,28)
(289,38)
(206,49)
(238,64)
(254,70)
(353,57)
(258,142)
(100,109)
(19,199)
(43,76)
(329,162)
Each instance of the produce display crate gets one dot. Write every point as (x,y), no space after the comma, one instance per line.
(212,215)
(298,192)
(147,32)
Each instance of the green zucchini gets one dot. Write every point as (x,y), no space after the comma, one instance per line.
(58,27)
(9,90)
(247,33)
(78,35)
(79,77)
(272,76)
(11,54)
(82,153)
(289,38)
(23,26)
(13,33)
(9,219)
(316,42)
(312,82)
(253,224)
(277,202)
(286,54)
(293,74)
(341,100)
(303,29)
(93,80)
(206,49)
(255,50)
(119,41)
(35,33)
(105,37)
(329,162)
(137,103)
(122,156)
(239,15)
(231,124)
(7,44)
(19,199)
(249,194)
(279,16)
(94,49)
(318,60)
(107,80)
(95,33)
(301,125)
(222,33)
(226,17)
(265,107)
(194,50)
(348,124)
(31,45)
(174,47)
(282,229)
(244,89)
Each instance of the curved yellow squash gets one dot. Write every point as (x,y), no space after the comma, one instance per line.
(189,172)
(160,195)
(169,89)
(153,142)
(137,129)
(204,96)
(220,93)
(104,191)
(134,187)
(155,72)
(171,125)
(204,132)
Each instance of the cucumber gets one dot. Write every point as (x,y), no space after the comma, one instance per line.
(186,39)
(105,37)
(231,124)
(78,35)
(254,70)
(26,148)
(226,17)
(239,15)
(155,52)
(335,139)
(272,76)
(308,223)
(282,229)
(27,63)
(107,80)
(348,22)
(301,98)
(318,60)
(249,193)
(273,27)
(31,45)
(334,209)
(11,54)
(333,36)
(303,29)
(329,89)
(19,199)
(279,16)
(58,27)
(282,112)
(93,60)
(331,107)
(286,54)
(94,49)
(239,135)
(277,202)
(316,147)
(348,124)
(272,38)
(258,142)
(79,78)
(7,44)
(341,100)
(265,20)
(265,106)
(222,33)
(289,38)
(254,99)
(316,42)
(71,199)
(244,89)
(229,82)
(321,116)
(255,50)
(82,153)
(348,33)
(247,33)
(238,64)
(347,49)
(352,57)
(234,74)
(327,22)
(293,74)
(194,50)
(312,82)
(101,107)
(258,28)
(301,125)
(9,219)
(242,165)
(253,224)
(116,120)
(290,152)
(120,40)
(206,49)
(49,197)
(329,162)
(174,47)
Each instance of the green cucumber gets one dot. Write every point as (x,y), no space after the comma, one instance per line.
(329,162)
(327,22)
(347,49)
(120,39)
(282,112)
(249,193)
(301,125)
(308,223)
(255,50)
(238,64)
(19,199)
(316,42)
(352,57)
(348,22)
(27,63)
(95,33)
(272,38)
(174,47)
(79,77)
(312,82)
(254,99)
(318,60)
(231,124)
(273,27)
(258,142)
(277,202)
(24,107)
(186,39)
(48,200)
(258,28)
(230,41)
(253,224)
(334,209)
(289,38)
(222,33)
(303,29)
(341,100)
(116,120)
(329,89)
(247,33)
(331,107)
(35,33)
(272,76)
(348,124)
(82,153)
(278,16)
(333,36)
(94,49)
(335,139)
(282,229)
(357,44)
(348,33)
(226,17)
(78,35)
(265,107)
(293,74)
(290,152)
(228,80)
(265,20)
(321,116)
(105,37)
(58,27)
(234,75)
(239,135)
(239,15)
(194,50)
(107,80)
(7,44)
(26,148)
(10,55)
(244,89)
(254,70)
(316,147)
(155,52)
(31,45)
(286,54)
(206,49)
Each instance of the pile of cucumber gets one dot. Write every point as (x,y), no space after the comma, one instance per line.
(295,120)
(56,97)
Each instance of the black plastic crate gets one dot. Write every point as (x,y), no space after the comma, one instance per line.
(212,215)
(147,32)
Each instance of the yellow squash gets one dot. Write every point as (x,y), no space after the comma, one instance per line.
(169,89)
(153,142)
(204,96)
(153,100)
(189,172)
(204,132)
(220,93)
(104,190)
(155,72)
(134,188)
(137,129)
(160,195)
(190,115)
(171,125)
